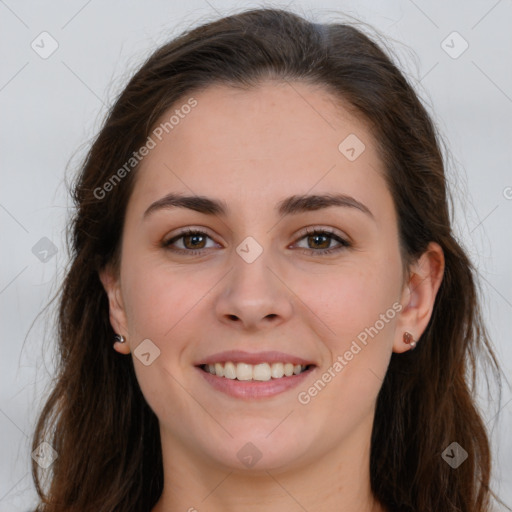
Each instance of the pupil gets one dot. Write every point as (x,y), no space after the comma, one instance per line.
(317,237)
(194,237)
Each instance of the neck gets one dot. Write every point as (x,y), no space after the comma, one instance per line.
(338,480)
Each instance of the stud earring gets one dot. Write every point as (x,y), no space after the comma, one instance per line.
(409,340)
(120,338)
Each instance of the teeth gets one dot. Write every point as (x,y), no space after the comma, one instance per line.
(219,370)
(277,370)
(230,371)
(243,371)
(262,372)
(259,372)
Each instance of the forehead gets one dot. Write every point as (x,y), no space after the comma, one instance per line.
(272,140)
(271,119)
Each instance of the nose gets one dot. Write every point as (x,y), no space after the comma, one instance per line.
(254,296)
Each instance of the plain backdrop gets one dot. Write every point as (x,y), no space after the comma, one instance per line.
(52,105)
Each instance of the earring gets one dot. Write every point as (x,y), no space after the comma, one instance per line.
(409,340)
(120,338)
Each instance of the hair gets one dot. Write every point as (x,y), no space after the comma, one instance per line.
(96,418)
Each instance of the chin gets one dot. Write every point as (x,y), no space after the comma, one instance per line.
(260,452)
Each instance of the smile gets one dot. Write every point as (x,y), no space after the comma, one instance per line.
(254,375)
(254,372)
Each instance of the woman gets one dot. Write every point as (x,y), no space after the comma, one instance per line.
(262,227)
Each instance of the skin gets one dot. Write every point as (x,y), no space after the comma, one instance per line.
(251,149)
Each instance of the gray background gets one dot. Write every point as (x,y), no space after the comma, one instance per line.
(51,108)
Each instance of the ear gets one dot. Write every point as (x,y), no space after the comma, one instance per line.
(419,294)
(117,313)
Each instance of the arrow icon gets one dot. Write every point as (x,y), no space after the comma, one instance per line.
(351,147)
(454,455)
(44,250)
(249,455)
(44,455)
(454,45)
(249,253)
(146,352)
(44,45)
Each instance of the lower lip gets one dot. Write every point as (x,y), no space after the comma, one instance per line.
(250,390)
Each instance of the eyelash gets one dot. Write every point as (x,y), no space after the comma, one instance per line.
(344,244)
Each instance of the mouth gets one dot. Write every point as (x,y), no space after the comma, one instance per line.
(250,376)
(261,372)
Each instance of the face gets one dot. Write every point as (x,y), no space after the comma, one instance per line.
(270,277)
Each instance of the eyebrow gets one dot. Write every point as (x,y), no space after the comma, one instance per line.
(289,206)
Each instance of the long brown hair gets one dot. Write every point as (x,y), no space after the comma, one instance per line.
(106,436)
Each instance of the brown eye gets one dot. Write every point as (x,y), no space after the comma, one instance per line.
(188,241)
(319,241)
(196,241)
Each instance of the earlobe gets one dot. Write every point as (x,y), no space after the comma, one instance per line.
(117,313)
(418,297)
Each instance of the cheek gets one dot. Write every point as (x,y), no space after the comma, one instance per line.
(159,306)
(357,310)
(156,299)
(350,301)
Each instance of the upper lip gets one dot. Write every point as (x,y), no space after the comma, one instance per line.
(239,356)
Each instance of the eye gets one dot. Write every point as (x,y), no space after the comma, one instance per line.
(193,242)
(321,239)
